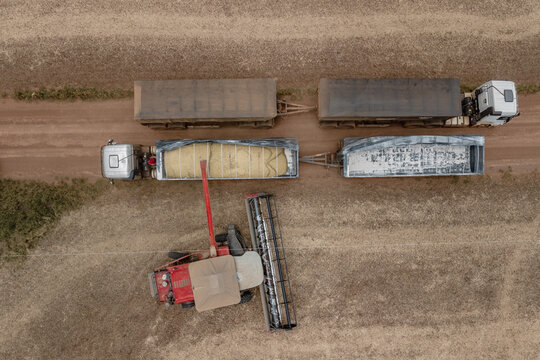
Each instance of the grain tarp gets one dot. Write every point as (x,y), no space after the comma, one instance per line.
(227,159)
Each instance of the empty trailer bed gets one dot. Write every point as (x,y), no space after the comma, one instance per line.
(413,156)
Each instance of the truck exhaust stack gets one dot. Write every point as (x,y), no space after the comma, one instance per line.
(276,294)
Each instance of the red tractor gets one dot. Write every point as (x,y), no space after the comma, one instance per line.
(224,274)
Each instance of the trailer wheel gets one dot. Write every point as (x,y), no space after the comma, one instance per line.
(188,304)
(245,296)
(221,238)
(177,255)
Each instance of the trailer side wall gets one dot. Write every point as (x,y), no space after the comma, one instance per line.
(271,158)
(384,156)
(216,100)
(388,99)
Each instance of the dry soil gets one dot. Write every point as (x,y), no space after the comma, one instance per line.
(381,268)
(110,44)
(52,140)
(399,269)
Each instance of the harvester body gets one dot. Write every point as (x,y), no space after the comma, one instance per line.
(172,282)
(223,275)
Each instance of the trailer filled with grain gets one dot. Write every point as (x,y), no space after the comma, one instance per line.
(270,158)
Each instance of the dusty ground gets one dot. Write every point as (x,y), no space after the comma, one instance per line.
(387,268)
(104,44)
(50,140)
(400,269)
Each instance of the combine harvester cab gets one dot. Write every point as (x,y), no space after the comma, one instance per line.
(271,158)
(353,103)
(388,156)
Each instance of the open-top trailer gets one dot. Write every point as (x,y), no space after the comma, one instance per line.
(224,274)
(387,156)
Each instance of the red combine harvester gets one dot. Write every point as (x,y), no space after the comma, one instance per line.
(224,274)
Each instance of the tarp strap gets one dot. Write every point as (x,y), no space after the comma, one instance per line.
(277,163)
(221,160)
(180,161)
(194,164)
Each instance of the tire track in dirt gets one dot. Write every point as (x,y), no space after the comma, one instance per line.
(48,140)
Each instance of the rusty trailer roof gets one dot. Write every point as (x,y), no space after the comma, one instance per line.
(388,98)
(253,99)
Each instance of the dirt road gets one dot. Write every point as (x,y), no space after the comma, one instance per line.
(104,44)
(50,140)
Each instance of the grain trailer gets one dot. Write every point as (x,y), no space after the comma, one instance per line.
(180,104)
(388,156)
(414,103)
(269,158)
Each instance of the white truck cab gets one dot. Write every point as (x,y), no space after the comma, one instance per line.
(496,103)
(118,161)
(125,161)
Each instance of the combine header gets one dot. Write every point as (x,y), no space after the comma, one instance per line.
(276,295)
(224,274)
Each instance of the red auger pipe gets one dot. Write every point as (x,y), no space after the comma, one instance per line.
(213,248)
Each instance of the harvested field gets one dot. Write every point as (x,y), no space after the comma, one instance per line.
(102,44)
(395,269)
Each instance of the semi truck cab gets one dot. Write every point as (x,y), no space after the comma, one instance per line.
(496,103)
(125,161)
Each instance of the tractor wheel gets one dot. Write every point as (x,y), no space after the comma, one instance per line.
(245,296)
(221,238)
(177,255)
(188,304)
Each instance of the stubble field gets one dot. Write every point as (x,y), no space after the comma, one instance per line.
(392,269)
